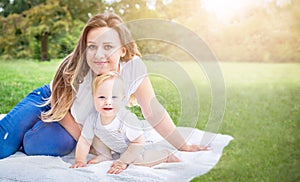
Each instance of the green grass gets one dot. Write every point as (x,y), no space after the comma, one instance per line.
(19,77)
(262,114)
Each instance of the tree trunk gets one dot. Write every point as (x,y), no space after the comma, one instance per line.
(44,47)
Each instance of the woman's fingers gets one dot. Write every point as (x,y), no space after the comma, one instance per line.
(194,148)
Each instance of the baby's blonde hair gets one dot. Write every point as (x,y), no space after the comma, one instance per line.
(109,75)
(105,76)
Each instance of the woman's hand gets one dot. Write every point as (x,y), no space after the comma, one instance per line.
(193,148)
(117,167)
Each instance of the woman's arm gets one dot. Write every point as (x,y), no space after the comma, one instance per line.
(159,118)
(69,123)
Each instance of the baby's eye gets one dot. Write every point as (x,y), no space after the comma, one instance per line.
(101,97)
(114,97)
(92,47)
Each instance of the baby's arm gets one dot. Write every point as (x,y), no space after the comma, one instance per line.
(133,151)
(82,150)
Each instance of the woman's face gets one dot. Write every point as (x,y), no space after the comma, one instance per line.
(104,50)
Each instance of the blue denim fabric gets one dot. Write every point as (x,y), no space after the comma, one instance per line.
(22,125)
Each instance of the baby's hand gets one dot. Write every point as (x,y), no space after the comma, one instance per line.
(78,164)
(117,167)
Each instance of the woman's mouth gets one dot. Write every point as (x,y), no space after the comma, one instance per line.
(101,62)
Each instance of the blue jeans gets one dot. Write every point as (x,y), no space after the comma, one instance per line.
(22,127)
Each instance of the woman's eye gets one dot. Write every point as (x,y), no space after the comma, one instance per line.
(108,47)
(92,47)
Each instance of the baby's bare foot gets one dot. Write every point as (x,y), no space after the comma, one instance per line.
(171,157)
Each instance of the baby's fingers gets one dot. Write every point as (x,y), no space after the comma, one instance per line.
(115,170)
(77,165)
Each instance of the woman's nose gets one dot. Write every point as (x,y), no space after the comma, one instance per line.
(100,54)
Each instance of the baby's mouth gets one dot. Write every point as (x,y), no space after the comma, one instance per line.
(107,109)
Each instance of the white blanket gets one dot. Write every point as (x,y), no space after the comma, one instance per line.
(20,167)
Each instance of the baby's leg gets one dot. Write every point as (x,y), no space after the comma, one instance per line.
(101,150)
(153,157)
(99,158)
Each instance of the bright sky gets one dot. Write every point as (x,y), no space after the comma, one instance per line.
(227,9)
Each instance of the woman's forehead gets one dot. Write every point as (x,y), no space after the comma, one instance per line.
(103,34)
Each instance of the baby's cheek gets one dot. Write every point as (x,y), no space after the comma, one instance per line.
(98,106)
(119,104)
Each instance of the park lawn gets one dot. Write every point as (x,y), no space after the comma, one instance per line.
(19,77)
(262,114)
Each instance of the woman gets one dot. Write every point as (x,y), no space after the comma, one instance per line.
(105,45)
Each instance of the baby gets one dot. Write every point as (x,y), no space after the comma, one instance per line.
(111,125)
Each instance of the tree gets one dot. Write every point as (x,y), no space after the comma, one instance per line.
(82,10)
(11,38)
(132,9)
(17,6)
(50,21)
(46,20)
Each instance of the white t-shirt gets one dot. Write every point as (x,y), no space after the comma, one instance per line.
(117,135)
(133,73)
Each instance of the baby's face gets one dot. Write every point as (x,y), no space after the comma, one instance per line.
(108,97)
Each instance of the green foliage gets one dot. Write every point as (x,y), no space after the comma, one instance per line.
(64,43)
(17,6)
(82,10)
(46,20)
(270,33)
(179,9)
(27,34)
(132,9)
(12,42)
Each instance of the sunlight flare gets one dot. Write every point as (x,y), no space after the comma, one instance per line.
(226,10)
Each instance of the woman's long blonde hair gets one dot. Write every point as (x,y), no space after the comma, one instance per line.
(74,67)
